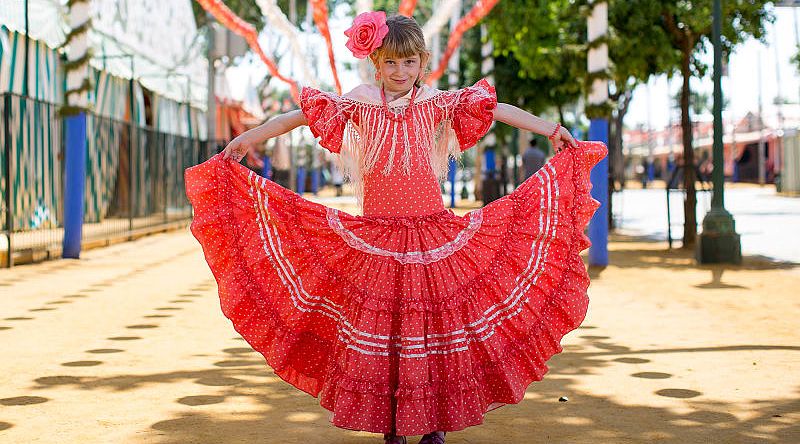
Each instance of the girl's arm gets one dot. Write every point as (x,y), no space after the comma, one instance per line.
(273,127)
(521,119)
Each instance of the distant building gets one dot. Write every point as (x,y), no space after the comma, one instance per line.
(741,141)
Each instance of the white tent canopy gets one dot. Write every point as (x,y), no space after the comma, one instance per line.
(161,37)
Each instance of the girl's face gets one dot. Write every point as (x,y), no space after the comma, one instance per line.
(399,74)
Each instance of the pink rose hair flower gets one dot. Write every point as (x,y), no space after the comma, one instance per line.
(367,33)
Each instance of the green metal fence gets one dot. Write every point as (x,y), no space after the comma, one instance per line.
(134,178)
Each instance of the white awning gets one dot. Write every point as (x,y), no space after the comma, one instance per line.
(160,36)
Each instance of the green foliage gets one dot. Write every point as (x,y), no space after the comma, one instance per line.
(796,59)
(544,41)
(688,27)
(638,46)
(699,102)
(687,24)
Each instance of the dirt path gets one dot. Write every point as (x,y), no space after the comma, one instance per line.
(128,345)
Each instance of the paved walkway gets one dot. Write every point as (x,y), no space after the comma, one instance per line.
(762,217)
(128,345)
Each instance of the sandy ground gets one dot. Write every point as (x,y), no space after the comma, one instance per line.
(128,345)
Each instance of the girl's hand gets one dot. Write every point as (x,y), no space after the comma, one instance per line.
(239,147)
(563,139)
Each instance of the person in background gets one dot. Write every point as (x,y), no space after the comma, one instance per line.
(532,159)
(281,161)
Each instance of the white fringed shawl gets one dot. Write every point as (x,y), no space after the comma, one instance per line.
(367,135)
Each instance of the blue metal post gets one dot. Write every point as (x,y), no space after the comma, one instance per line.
(489,162)
(301,180)
(315,176)
(74,184)
(598,226)
(451,172)
(267,166)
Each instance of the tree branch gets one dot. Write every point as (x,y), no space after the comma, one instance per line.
(678,36)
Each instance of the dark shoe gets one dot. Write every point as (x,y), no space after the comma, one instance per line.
(389,438)
(433,438)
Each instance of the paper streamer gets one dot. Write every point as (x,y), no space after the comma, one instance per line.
(233,22)
(278,21)
(407,7)
(441,17)
(479,11)
(320,12)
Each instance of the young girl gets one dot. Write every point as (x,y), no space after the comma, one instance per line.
(408,319)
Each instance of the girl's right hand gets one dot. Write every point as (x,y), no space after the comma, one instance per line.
(563,139)
(239,147)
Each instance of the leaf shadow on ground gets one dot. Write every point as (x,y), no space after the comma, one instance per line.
(259,407)
(636,252)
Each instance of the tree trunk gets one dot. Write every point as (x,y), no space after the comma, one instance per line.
(615,158)
(690,204)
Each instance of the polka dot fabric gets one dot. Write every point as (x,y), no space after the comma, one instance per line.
(382,148)
(326,119)
(408,322)
(474,113)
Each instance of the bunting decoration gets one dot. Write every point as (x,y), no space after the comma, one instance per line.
(407,7)
(439,18)
(233,22)
(278,21)
(479,11)
(320,12)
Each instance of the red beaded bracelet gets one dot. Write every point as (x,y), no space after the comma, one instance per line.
(555,131)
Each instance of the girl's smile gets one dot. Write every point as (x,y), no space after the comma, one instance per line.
(399,74)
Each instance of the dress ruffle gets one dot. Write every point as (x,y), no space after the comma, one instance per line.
(473,113)
(325,117)
(368,329)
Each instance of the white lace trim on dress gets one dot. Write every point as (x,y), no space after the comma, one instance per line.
(408,257)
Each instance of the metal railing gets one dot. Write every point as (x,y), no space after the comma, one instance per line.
(134,179)
(32,172)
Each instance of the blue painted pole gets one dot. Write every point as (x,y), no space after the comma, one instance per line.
(598,226)
(267,167)
(301,180)
(451,172)
(315,176)
(74,184)
(490,163)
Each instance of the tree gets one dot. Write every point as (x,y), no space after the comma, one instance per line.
(547,42)
(796,59)
(687,25)
(633,63)
(545,47)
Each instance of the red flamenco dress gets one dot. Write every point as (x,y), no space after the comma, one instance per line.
(407,318)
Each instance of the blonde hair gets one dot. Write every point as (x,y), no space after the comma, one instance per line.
(405,39)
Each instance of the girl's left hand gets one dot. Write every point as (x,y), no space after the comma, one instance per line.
(563,140)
